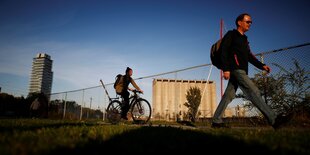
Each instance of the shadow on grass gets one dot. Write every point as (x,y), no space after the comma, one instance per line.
(32,127)
(169,139)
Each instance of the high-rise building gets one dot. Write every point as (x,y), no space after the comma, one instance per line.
(41,75)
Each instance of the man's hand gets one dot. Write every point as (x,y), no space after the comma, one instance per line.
(267,68)
(226,75)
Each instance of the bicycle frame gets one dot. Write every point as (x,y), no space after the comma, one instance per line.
(139,108)
(133,98)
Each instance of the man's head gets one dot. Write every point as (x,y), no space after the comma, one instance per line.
(243,22)
(128,71)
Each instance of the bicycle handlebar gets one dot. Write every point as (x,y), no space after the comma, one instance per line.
(137,91)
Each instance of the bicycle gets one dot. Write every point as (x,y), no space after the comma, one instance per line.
(140,109)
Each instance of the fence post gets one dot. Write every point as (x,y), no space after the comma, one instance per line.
(65,107)
(81,113)
(264,78)
(175,99)
(103,107)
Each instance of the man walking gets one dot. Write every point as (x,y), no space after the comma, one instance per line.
(235,57)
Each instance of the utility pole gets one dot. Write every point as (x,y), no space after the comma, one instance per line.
(221,74)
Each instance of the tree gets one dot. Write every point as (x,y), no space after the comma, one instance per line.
(285,91)
(193,97)
(273,91)
(11,106)
(296,82)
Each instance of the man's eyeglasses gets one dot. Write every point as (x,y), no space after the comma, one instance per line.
(248,22)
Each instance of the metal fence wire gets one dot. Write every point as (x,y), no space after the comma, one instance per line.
(91,102)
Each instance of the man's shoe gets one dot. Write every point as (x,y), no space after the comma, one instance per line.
(124,117)
(219,125)
(282,120)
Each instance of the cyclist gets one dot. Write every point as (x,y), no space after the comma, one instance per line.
(122,89)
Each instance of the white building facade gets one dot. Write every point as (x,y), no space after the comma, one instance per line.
(169,96)
(41,74)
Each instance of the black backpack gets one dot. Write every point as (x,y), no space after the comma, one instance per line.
(117,79)
(215,54)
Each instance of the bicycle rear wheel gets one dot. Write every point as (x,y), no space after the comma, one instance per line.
(114,112)
(141,111)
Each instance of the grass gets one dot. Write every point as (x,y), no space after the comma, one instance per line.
(40,136)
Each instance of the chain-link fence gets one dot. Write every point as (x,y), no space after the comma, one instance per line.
(90,103)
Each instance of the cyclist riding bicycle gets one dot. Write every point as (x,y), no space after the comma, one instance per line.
(122,89)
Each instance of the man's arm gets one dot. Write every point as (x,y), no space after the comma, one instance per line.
(225,57)
(253,60)
(226,49)
(135,85)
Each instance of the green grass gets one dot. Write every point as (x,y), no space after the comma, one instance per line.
(36,136)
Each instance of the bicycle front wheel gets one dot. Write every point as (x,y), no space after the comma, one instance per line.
(114,112)
(141,111)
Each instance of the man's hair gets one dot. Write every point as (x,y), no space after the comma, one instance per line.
(127,70)
(240,18)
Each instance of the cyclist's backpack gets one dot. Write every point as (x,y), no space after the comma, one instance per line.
(117,80)
(215,54)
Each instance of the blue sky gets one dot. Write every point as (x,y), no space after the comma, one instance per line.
(90,40)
